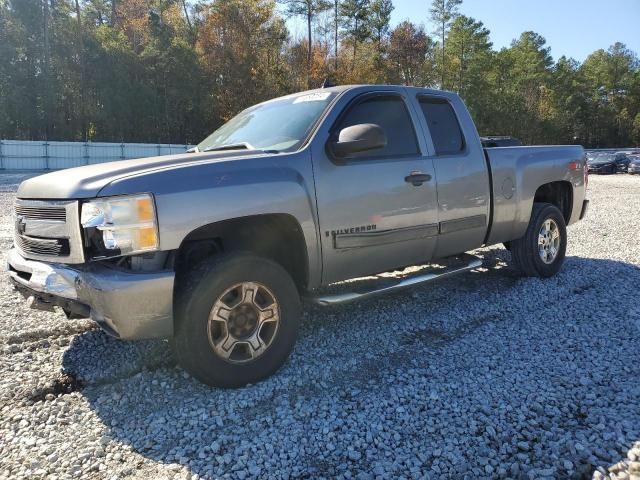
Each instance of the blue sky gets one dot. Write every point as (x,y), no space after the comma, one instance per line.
(571,27)
(574,28)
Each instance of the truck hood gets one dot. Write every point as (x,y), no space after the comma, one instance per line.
(87,181)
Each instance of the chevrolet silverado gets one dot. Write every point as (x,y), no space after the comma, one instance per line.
(214,248)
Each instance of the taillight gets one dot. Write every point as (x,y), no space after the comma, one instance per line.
(576,164)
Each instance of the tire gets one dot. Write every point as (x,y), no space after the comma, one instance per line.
(219,288)
(526,253)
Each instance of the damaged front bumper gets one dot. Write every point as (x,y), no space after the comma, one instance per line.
(126,304)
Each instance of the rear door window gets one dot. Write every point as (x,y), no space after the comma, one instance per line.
(443,125)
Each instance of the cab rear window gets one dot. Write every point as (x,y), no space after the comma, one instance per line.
(443,125)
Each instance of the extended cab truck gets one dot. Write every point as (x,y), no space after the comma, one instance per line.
(214,248)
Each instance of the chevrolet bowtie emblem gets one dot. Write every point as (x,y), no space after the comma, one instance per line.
(20,225)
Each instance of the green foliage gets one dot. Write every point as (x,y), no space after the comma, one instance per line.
(173,70)
(356,28)
(635,134)
(443,12)
(308,9)
(409,48)
(379,19)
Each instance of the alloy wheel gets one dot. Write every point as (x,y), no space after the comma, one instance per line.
(243,322)
(549,241)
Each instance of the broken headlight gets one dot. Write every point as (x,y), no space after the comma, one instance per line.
(115,226)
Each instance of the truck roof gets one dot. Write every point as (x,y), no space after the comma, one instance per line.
(364,86)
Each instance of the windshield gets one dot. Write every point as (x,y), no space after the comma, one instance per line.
(281,124)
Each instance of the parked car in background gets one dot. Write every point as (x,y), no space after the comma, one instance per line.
(500,141)
(622,161)
(602,163)
(634,164)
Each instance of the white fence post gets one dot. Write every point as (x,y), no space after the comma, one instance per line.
(85,153)
(46,155)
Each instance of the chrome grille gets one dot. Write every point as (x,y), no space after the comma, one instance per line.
(58,247)
(58,214)
(48,230)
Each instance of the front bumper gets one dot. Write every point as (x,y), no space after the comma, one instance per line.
(634,169)
(126,304)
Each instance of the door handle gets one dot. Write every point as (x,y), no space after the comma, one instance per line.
(417,178)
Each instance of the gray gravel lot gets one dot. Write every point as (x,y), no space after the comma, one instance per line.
(483,376)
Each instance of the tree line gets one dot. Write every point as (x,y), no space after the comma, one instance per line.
(172,71)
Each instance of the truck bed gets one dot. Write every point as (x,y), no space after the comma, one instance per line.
(516,173)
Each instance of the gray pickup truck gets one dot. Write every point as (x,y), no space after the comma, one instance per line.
(213,249)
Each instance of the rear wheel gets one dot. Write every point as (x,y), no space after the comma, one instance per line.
(236,320)
(540,252)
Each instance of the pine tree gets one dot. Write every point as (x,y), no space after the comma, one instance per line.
(443,12)
(354,15)
(308,9)
(379,19)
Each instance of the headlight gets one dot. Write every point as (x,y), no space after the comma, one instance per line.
(116,226)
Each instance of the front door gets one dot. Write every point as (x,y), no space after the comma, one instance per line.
(376,210)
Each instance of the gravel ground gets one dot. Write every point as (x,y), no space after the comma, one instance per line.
(483,376)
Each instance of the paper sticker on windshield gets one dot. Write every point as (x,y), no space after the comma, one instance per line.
(312,97)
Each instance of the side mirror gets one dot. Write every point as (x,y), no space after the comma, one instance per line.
(359,138)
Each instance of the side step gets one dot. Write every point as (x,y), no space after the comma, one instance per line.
(463,263)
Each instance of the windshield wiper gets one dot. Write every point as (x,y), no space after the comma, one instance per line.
(231,146)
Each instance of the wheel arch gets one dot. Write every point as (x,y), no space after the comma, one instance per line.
(278,237)
(558,193)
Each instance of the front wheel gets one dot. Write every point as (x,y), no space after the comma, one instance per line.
(540,252)
(236,320)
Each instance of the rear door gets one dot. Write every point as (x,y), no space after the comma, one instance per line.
(461,173)
(371,218)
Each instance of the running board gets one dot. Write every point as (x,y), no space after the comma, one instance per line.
(469,262)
